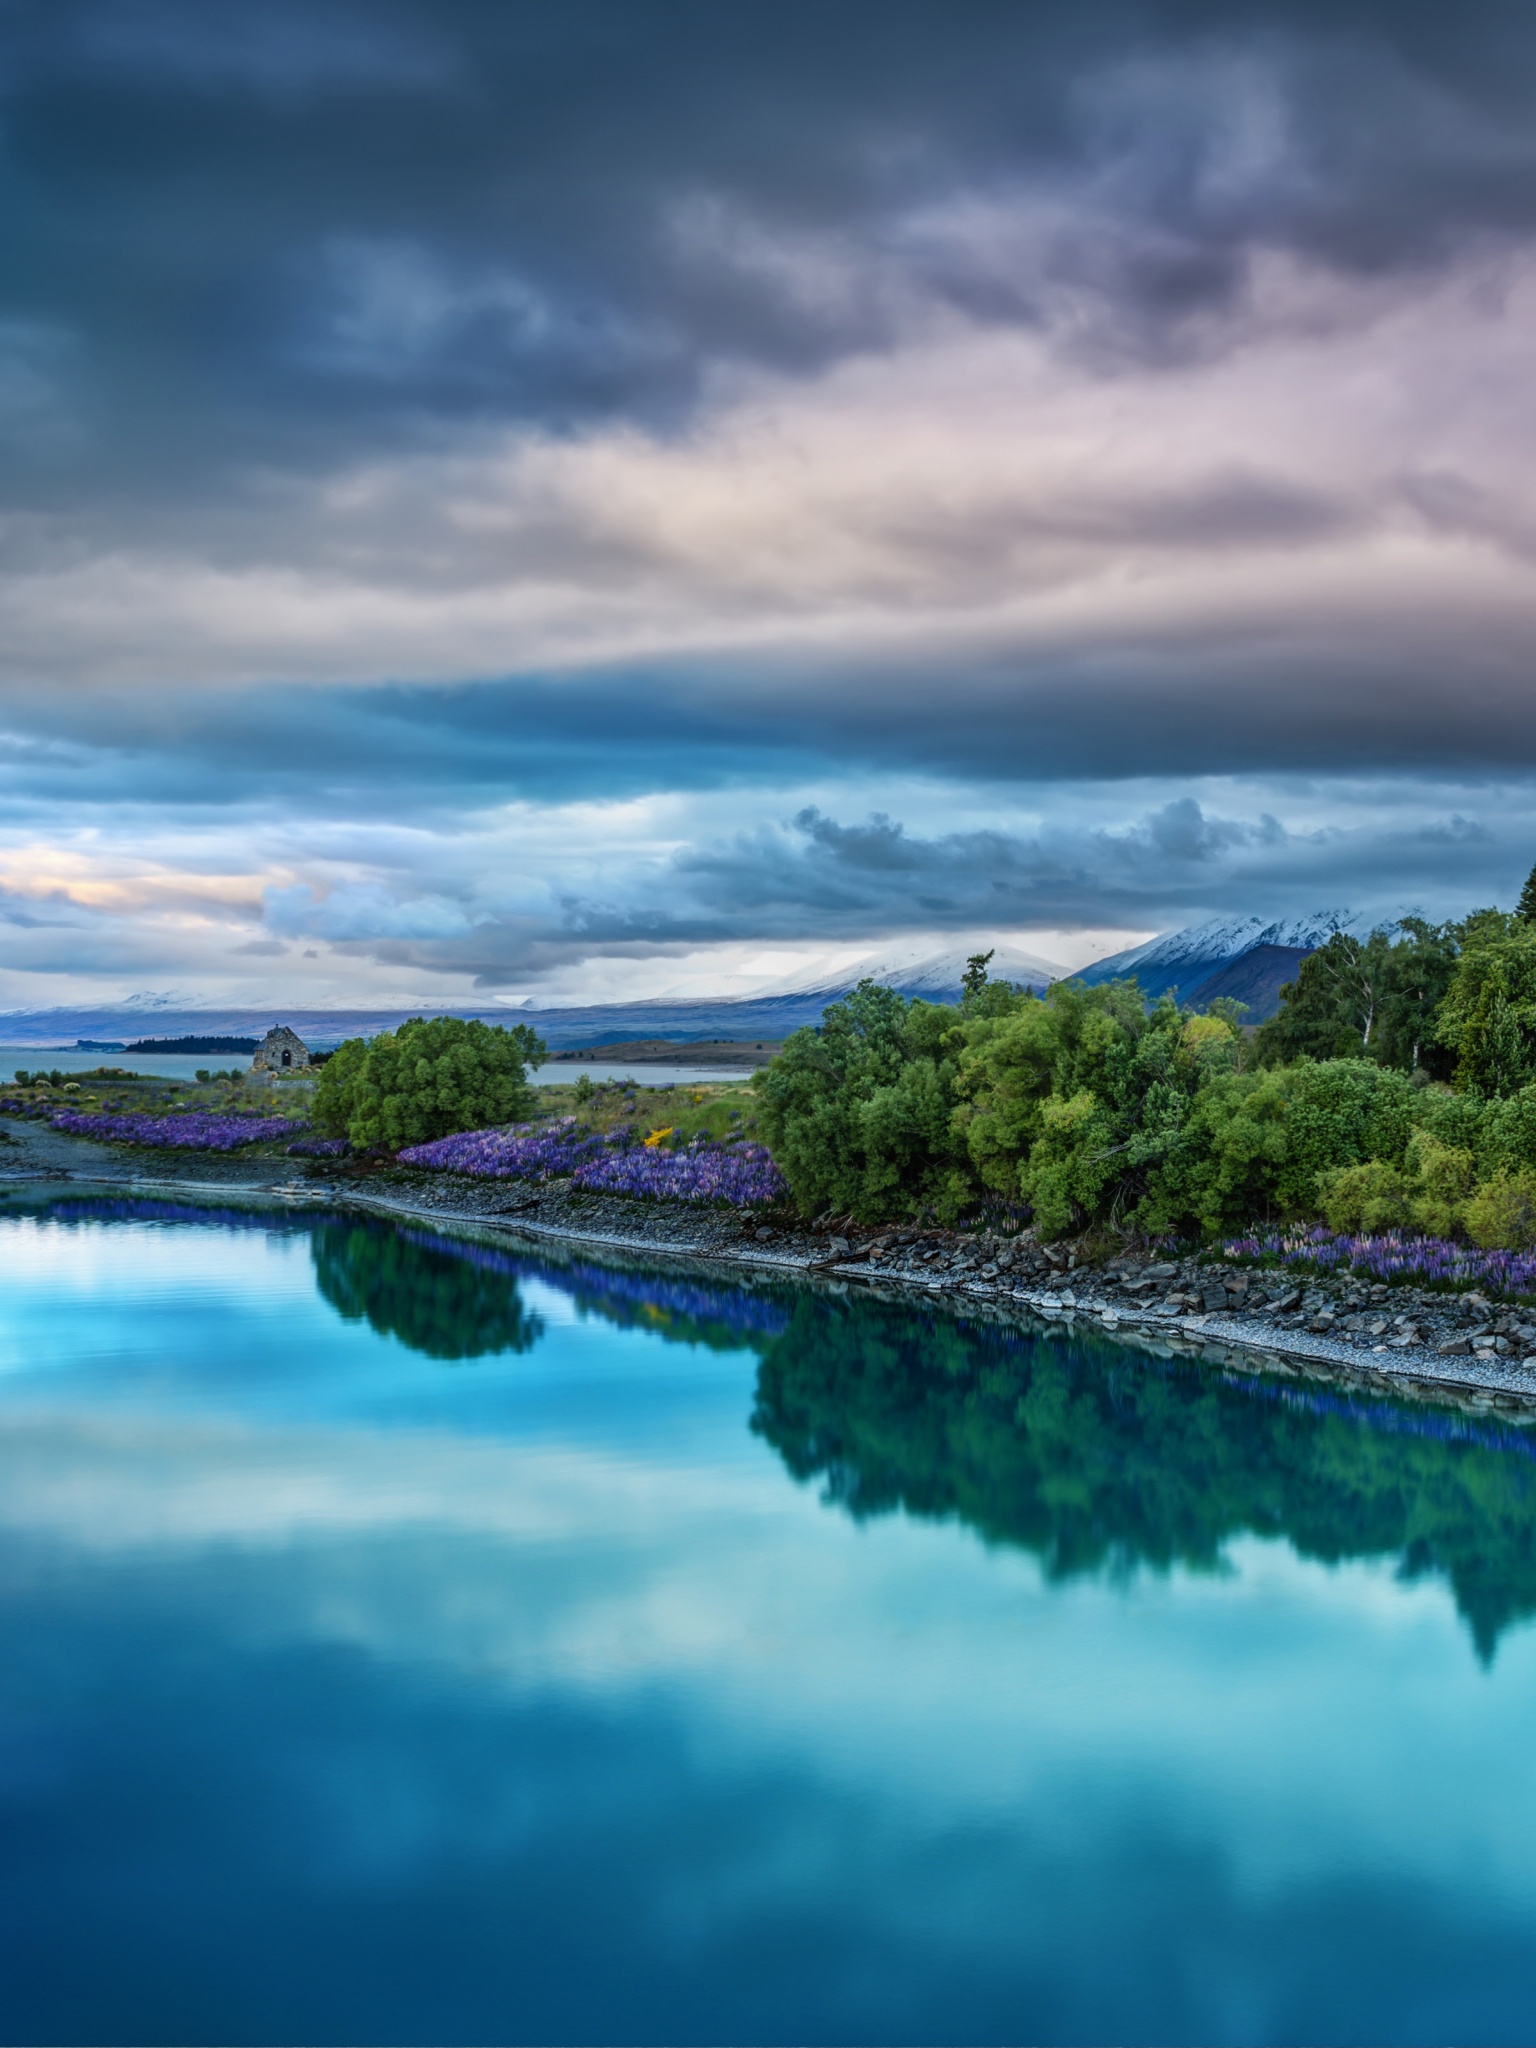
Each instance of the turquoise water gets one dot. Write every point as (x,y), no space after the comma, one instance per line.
(406,1640)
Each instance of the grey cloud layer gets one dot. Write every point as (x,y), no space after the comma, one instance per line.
(814,876)
(275,238)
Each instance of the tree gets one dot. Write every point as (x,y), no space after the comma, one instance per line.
(1375,998)
(1330,1010)
(1420,966)
(974,979)
(857,1111)
(1526,907)
(1488,1017)
(1070,1101)
(427,1080)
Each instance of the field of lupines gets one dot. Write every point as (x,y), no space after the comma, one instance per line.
(742,1175)
(549,1151)
(736,1172)
(1392,1256)
(191,1130)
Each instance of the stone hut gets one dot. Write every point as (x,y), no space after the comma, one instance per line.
(281,1052)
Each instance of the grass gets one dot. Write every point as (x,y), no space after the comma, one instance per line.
(717,1109)
(111,1088)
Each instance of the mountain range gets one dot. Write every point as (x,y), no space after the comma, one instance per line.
(1243,957)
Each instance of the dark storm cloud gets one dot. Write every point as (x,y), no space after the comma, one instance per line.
(277,237)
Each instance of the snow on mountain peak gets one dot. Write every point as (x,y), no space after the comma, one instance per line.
(1220,940)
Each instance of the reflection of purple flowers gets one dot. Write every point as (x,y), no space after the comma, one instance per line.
(192,1130)
(703,1171)
(672,1304)
(319,1148)
(1393,1256)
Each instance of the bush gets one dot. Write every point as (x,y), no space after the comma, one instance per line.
(1370,1197)
(427,1080)
(1440,1181)
(858,1112)
(1501,1214)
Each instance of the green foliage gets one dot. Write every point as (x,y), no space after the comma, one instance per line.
(1429,1191)
(1256,1145)
(1526,907)
(1371,1196)
(1374,999)
(1502,1212)
(858,1112)
(427,1080)
(1503,1130)
(1097,1112)
(1488,1017)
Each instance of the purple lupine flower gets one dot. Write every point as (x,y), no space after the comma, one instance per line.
(1392,1255)
(740,1174)
(517,1152)
(193,1130)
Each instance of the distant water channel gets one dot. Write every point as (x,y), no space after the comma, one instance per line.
(409,1639)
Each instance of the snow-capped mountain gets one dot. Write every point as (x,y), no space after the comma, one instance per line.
(1247,957)
(936,977)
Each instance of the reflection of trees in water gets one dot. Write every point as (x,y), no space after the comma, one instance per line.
(1096,1458)
(678,1307)
(428,1294)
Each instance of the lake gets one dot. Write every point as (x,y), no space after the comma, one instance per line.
(414,1639)
(177,1066)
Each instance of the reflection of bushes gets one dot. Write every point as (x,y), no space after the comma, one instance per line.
(427,1294)
(1095,1458)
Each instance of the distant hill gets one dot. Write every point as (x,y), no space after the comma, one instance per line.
(193,1044)
(769,1016)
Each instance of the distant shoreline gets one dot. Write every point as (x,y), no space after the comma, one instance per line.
(670,1052)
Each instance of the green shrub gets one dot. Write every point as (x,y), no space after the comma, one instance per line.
(427,1080)
(1440,1178)
(857,1113)
(1371,1196)
(1501,1214)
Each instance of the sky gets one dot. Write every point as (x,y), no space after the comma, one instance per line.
(501,501)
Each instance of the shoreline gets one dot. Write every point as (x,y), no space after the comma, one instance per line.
(725,1239)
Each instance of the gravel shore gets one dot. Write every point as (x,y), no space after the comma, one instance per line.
(1403,1338)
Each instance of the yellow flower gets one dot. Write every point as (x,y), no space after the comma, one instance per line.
(656,1136)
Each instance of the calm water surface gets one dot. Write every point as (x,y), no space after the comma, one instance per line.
(407,1640)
